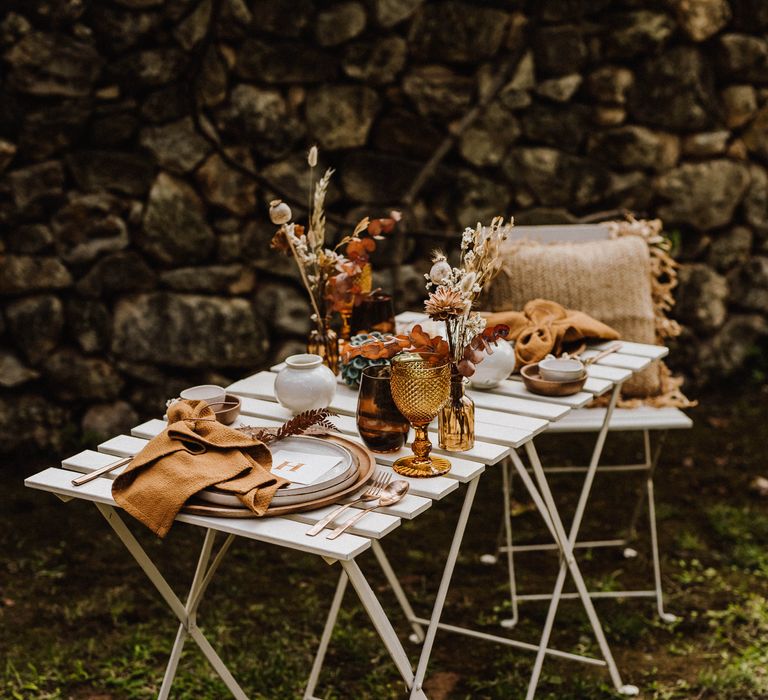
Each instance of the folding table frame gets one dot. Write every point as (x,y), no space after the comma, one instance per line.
(502,432)
(545,504)
(645,499)
(344,549)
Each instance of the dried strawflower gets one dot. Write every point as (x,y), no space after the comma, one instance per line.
(444,303)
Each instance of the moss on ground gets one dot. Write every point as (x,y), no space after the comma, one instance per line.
(78,621)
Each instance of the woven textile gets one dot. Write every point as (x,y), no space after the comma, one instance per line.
(192,453)
(607,279)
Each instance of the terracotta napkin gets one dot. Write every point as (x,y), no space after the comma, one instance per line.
(195,451)
(545,327)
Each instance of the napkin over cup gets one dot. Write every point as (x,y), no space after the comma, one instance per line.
(194,452)
(545,327)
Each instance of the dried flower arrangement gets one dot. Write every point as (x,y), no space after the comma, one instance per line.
(330,275)
(453,291)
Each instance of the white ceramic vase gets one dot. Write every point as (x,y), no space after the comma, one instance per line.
(494,368)
(305,383)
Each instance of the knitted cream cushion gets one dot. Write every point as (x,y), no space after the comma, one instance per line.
(608,279)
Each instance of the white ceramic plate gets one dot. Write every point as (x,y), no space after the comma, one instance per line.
(335,479)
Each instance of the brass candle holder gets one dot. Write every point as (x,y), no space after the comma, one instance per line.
(421,384)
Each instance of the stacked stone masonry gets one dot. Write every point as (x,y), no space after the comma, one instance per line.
(140,141)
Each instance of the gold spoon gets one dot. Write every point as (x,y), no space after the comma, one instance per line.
(393,493)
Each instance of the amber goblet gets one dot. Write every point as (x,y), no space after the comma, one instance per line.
(421,384)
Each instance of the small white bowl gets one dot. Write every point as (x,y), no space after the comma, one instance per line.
(555,369)
(210,393)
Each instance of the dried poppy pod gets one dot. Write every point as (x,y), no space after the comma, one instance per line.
(279,212)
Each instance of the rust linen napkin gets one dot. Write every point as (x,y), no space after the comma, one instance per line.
(195,451)
(544,327)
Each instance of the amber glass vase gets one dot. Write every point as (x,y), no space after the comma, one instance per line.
(363,281)
(456,420)
(326,344)
(373,312)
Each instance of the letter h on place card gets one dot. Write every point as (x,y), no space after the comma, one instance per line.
(302,468)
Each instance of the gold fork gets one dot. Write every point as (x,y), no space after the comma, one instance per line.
(380,480)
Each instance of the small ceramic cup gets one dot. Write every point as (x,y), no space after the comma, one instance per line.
(555,369)
(210,393)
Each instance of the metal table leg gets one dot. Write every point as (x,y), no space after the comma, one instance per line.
(325,639)
(185,614)
(442,591)
(568,564)
(382,624)
(352,572)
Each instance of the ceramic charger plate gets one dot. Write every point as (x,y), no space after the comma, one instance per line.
(364,467)
(335,479)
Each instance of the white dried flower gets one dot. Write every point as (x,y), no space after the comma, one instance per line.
(440,272)
(312,157)
(279,212)
(474,326)
(467,283)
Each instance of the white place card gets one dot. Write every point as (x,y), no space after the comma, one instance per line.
(302,467)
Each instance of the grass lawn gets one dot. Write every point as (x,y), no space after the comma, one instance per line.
(77,619)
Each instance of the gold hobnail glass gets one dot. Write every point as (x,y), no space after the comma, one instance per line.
(420,386)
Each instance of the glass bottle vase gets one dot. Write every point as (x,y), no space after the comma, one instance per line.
(325,344)
(456,420)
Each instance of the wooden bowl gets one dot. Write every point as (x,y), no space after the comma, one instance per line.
(536,384)
(228,411)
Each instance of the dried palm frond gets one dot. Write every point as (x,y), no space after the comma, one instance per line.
(314,422)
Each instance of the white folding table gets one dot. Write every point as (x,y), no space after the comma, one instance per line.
(508,419)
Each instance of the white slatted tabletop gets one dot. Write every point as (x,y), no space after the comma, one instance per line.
(655,352)
(506,418)
(280,531)
(262,386)
(519,428)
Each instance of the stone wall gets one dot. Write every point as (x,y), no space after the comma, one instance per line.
(141,139)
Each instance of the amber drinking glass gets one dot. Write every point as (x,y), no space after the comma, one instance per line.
(382,427)
(363,282)
(374,312)
(421,384)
